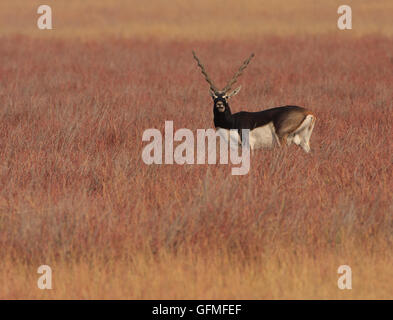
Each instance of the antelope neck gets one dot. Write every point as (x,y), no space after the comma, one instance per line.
(223,119)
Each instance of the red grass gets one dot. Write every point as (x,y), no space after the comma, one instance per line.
(75,193)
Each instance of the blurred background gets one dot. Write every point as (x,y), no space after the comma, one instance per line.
(201,19)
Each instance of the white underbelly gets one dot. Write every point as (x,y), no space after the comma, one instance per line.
(262,137)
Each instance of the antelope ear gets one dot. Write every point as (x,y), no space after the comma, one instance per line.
(234,92)
(213,94)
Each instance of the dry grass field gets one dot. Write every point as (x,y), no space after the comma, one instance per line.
(76,195)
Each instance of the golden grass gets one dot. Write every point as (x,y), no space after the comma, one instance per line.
(284,274)
(196,19)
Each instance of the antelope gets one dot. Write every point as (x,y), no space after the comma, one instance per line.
(276,126)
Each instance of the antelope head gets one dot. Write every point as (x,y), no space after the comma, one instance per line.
(221,97)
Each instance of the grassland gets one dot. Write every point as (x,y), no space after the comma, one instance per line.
(76,195)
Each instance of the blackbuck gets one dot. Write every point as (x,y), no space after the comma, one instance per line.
(277,126)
